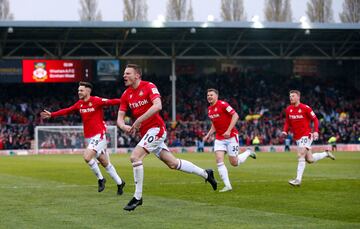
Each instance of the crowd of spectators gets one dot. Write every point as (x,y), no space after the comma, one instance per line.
(259,99)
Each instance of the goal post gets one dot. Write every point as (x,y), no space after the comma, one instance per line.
(68,138)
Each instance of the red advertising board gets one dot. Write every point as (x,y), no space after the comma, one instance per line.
(54,71)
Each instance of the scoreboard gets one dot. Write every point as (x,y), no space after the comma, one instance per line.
(57,71)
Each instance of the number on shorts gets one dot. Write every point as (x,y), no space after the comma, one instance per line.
(148,138)
(304,140)
(94,142)
(235,149)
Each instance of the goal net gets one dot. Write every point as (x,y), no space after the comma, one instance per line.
(67,139)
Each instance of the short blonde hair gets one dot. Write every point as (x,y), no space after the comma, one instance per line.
(295,92)
(213,90)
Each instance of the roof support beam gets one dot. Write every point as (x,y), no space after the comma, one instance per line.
(236,42)
(320,50)
(45,49)
(294,50)
(101,48)
(15,49)
(132,49)
(240,50)
(213,49)
(267,49)
(74,49)
(187,49)
(159,49)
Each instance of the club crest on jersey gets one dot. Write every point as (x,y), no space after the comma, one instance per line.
(299,110)
(215,109)
(130,96)
(141,93)
(290,110)
(90,104)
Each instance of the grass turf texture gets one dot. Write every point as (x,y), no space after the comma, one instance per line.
(59,191)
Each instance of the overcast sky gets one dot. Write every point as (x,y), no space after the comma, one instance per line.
(112,10)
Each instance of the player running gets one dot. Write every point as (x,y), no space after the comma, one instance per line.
(298,119)
(143,99)
(223,120)
(90,109)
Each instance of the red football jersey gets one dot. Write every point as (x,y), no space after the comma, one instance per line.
(91,113)
(298,119)
(139,101)
(220,114)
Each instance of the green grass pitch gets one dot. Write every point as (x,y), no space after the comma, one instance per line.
(59,191)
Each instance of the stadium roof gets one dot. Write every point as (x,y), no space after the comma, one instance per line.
(180,40)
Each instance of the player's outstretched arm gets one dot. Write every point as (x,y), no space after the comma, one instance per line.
(109,102)
(61,112)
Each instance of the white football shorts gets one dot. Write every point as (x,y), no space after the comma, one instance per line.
(97,143)
(304,142)
(230,146)
(153,143)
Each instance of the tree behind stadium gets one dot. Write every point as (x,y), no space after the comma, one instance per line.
(233,10)
(278,10)
(5,13)
(135,10)
(176,10)
(319,11)
(351,11)
(89,10)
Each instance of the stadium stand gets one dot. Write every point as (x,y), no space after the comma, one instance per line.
(257,97)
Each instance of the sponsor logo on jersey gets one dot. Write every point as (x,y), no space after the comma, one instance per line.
(87,110)
(212,116)
(138,104)
(296,116)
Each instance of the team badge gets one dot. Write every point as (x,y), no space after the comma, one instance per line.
(290,110)
(81,105)
(130,96)
(40,73)
(215,109)
(299,110)
(141,93)
(90,104)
